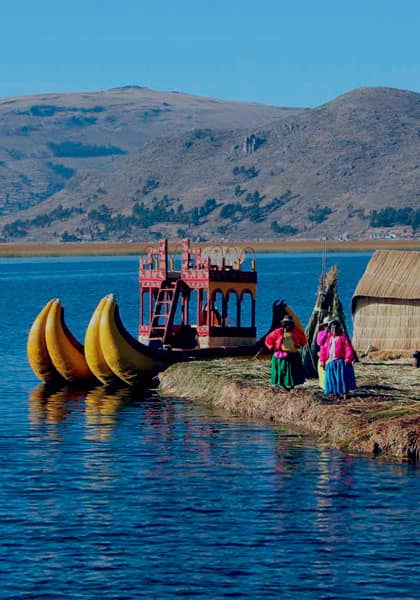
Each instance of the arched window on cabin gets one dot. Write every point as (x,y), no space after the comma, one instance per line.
(179,311)
(217,308)
(203,306)
(232,318)
(145,308)
(193,305)
(247,309)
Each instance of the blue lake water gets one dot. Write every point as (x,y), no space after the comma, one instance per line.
(122,496)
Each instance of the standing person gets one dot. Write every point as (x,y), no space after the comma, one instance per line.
(286,364)
(320,340)
(336,356)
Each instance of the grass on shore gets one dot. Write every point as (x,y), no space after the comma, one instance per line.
(381,416)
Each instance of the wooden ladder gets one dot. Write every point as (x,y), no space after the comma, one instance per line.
(164,311)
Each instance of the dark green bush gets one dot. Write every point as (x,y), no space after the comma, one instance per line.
(69,237)
(284,229)
(150,185)
(80,150)
(389,217)
(228,211)
(245,172)
(65,172)
(319,214)
(80,121)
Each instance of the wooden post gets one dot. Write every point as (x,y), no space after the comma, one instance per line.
(238,310)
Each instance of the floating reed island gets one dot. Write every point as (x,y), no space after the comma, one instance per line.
(381,417)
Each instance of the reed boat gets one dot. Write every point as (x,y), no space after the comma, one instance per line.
(200,309)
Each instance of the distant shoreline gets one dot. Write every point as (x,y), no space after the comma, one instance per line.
(118,249)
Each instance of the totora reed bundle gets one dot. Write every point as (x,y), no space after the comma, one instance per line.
(328,305)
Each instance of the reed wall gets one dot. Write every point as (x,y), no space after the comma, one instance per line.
(386,324)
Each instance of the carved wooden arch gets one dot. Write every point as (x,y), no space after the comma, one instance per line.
(238,305)
(249,292)
(217,318)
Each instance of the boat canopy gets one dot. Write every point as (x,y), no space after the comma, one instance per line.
(197,298)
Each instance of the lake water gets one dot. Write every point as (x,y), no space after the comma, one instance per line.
(121,496)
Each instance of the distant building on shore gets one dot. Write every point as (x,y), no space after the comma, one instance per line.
(386,303)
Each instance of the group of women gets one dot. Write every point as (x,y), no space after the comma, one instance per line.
(335,357)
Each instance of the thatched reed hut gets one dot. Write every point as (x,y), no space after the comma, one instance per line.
(386,303)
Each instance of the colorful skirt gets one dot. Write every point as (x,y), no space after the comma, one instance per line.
(339,377)
(321,375)
(287,372)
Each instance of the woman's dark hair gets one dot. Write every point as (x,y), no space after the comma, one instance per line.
(337,326)
(288,323)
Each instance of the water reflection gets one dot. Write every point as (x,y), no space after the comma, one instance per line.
(51,404)
(102,406)
(142,484)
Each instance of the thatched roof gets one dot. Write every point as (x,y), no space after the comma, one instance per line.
(390,274)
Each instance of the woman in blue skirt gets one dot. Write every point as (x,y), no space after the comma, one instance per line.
(336,356)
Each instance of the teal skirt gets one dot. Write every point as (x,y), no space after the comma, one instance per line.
(287,372)
(339,377)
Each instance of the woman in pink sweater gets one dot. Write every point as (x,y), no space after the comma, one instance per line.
(286,364)
(336,356)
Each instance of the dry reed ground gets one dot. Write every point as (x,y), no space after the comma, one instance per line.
(381,416)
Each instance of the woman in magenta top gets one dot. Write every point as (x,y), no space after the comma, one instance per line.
(336,356)
(286,364)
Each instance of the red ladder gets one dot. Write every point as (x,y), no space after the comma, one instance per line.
(164,311)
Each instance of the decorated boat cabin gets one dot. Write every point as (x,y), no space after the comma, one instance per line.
(197,299)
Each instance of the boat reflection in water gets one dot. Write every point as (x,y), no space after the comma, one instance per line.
(102,405)
(52,404)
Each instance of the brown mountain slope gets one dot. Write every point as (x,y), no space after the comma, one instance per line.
(308,173)
(47,139)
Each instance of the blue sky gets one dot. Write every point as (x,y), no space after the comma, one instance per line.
(287,53)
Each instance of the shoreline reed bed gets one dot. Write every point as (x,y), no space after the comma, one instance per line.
(382,416)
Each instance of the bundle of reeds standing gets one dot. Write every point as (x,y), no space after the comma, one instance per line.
(327,305)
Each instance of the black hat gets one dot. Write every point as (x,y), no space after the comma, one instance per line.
(334,322)
(287,320)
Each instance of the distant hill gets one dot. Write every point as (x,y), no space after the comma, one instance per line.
(135,164)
